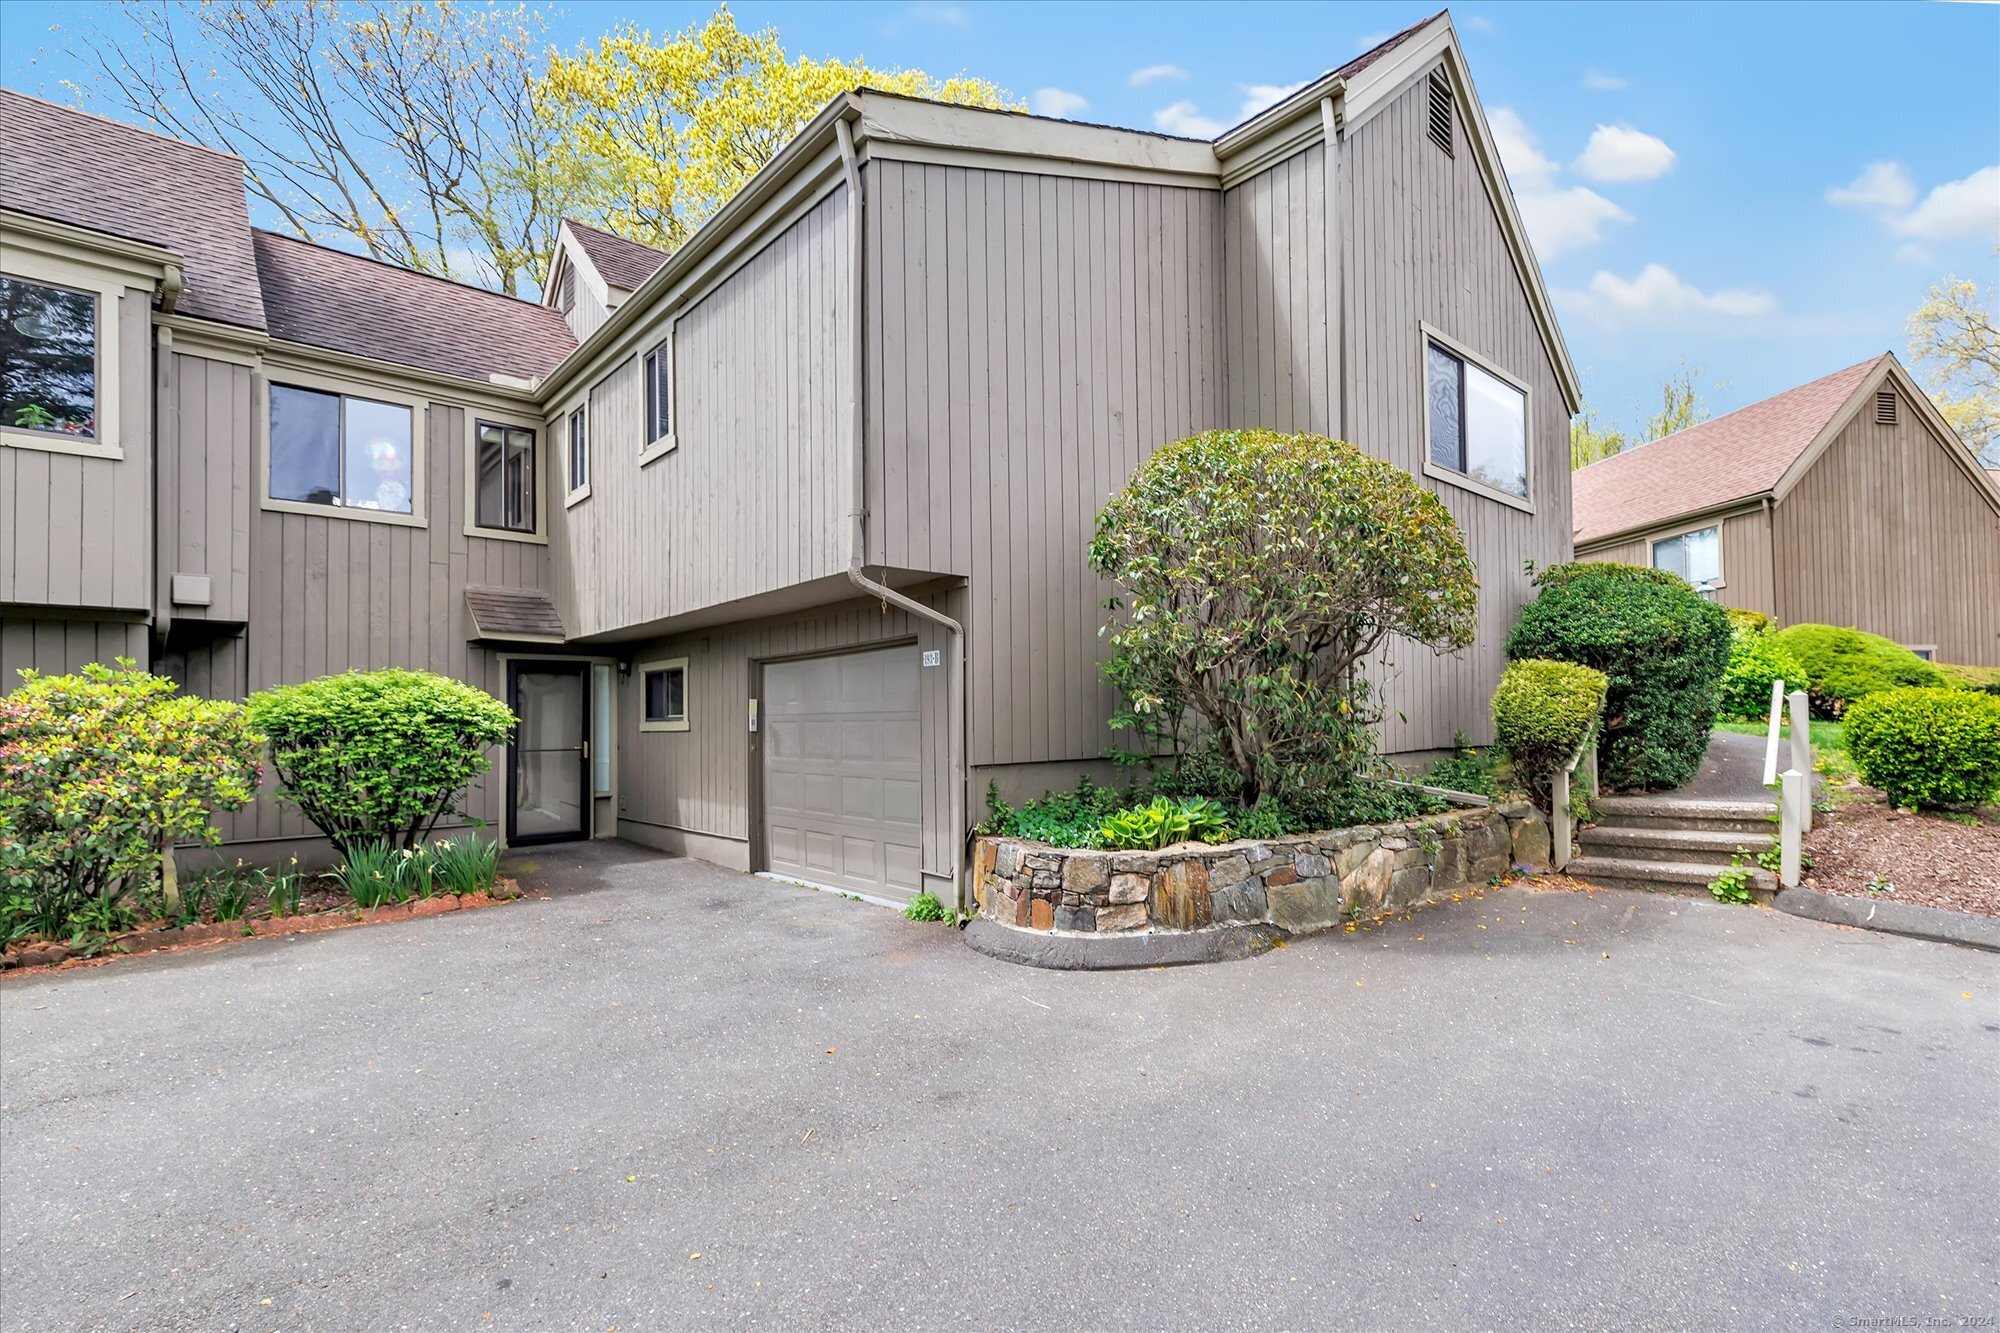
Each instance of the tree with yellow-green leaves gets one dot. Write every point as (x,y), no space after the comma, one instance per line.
(660,134)
(1956,349)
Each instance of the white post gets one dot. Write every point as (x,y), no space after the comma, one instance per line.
(1771,740)
(1796,796)
(1802,753)
(1559,830)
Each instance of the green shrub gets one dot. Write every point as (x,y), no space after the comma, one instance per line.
(927,907)
(1164,821)
(1467,768)
(1755,660)
(1744,622)
(101,771)
(1542,711)
(1259,570)
(1662,649)
(1850,664)
(1060,818)
(1927,747)
(382,756)
(1986,679)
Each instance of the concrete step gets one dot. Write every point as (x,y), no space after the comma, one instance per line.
(1652,843)
(1618,872)
(1680,812)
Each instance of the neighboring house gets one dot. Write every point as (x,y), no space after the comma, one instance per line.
(1846,501)
(777,544)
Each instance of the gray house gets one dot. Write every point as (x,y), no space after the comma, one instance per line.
(777,542)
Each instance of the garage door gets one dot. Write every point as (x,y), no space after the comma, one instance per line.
(841,771)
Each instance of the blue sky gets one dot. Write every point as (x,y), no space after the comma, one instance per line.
(1763,191)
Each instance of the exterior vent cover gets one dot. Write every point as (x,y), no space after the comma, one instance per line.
(566,291)
(1440,111)
(1885,408)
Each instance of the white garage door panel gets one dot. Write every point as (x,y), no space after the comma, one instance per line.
(843,771)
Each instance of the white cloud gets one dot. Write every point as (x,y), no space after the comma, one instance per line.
(1621,153)
(1057,102)
(1969,207)
(1880,185)
(1185,118)
(1912,253)
(1263,96)
(1519,153)
(1139,78)
(1656,292)
(1560,221)
(1599,82)
(1480,23)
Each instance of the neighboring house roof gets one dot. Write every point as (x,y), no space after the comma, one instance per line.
(364,307)
(73,167)
(622,263)
(1738,456)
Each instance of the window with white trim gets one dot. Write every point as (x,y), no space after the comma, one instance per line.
(48,359)
(663,695)
(341,450)
(659,377)
(1695,556)
(579,448)
(1477,423)
(504,486)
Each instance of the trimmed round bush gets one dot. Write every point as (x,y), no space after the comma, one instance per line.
(373,756)
(1662,648)
(1986,679)
(1258,572)
(1927,747)
(1748,622)
(1542,711)
(1850,664)
(1755,660)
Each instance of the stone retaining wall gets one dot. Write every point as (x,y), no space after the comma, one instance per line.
(1301,883)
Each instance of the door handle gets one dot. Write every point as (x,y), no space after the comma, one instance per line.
(586,749)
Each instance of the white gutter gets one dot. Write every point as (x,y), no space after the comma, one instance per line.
(858,514)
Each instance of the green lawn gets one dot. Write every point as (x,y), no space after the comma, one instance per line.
(1825,735)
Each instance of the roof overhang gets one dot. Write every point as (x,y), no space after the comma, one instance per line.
(514,615)
(157,265)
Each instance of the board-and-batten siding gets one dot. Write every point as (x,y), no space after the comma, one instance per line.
(701,781)
(1886,533)
(58,647)
(327,594)
(753,497)
(1030,340)
(1421,242)
(78,531)
(206,483)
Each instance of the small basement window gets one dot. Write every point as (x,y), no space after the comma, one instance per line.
(663,695)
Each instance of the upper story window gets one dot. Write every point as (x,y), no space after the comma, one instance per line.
(505,486)
(579,449)
(48,359)
(341,450)
(1695,556)
(659,375)
(1476,422)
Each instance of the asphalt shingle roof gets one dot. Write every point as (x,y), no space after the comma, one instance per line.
(329,298)
(73,167)
(624,264)
(1734,457)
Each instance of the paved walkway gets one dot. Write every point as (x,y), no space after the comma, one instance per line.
(1732,770)
(667,1096)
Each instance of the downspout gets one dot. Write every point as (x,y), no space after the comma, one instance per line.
(857,513)
(1334,131)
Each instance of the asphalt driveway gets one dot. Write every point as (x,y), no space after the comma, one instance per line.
(674,1097)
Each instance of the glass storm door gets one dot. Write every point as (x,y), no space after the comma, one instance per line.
(549,761)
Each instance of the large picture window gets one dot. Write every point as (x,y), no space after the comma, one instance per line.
(342,451)
(1695,556)
(505,488)
(1476,421)
(48,359)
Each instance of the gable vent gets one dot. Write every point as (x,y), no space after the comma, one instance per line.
(1885,408)
(1440,128)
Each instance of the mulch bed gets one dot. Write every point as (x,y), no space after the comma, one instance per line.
(1932,861)
(46,955)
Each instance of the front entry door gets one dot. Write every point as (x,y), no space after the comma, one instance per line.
(549,761)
